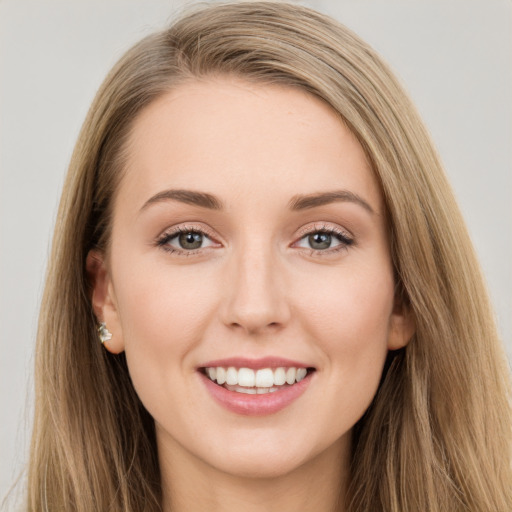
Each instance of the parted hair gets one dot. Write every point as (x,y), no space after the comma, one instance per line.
(437,436)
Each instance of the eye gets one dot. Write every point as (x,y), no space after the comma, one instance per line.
(325,239)
(185,240)
(319,240)
(190,240)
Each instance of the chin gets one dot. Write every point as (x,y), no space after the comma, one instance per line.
(267,458)
(260,467)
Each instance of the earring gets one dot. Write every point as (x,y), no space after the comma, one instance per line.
(104,333)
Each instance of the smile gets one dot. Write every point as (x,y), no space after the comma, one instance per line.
(256,388)
(252,382)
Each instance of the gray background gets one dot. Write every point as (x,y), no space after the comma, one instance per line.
(454,57)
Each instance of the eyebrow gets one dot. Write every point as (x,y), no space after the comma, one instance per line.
(297,203)
(201,199)
(304,202)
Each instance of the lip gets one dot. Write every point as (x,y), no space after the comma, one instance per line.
(254,364)
(256,405)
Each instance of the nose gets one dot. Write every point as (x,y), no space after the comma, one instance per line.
(255,293)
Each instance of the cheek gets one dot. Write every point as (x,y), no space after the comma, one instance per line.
(351,309)
(349,320)
(163,312)
(161,300)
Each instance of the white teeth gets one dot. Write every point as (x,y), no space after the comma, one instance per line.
(301,373)
(290,375)
(246,377)
(279,376)
(221,375)
(263,380)
(231,376)
(252,391)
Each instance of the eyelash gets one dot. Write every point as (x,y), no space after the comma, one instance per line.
(166,237)
(342,236)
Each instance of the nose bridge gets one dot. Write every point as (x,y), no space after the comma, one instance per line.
(255,299)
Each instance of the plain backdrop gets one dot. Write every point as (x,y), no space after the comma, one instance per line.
(453,56)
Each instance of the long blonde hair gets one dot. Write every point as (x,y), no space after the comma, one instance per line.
(437,436)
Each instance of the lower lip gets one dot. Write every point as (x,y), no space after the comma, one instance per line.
(256,405)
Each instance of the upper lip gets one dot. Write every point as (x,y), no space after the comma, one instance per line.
(255,364)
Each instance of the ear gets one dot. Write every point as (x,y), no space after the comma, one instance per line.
(402,325)
(103,299)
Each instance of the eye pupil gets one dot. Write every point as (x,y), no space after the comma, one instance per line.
(319,240)
(190,240)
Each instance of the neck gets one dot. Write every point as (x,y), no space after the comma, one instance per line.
(191,485)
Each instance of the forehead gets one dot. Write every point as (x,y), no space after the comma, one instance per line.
(245,141)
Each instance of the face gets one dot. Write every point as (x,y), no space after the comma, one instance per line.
(249,243)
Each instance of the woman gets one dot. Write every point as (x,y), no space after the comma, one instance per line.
(261,291)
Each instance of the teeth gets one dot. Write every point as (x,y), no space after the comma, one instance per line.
(252,391)
(221,375)
(291,373)
(301,373)
(246,380)
(231,376)
(246,377)
(264,378)
(279,376)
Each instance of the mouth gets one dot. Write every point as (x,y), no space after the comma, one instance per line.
(260,381)
(256,387)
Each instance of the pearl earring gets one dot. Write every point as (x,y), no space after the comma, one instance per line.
(104,333)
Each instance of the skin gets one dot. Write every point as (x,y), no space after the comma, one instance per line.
(255,288)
